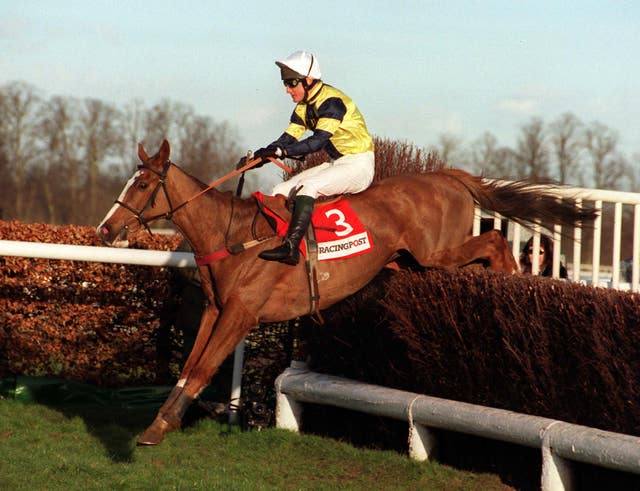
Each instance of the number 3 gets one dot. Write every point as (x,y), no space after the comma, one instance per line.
(340,222)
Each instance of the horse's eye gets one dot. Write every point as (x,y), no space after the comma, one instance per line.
(142,185)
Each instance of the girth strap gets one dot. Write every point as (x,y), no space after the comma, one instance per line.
(312,273)
(232,250)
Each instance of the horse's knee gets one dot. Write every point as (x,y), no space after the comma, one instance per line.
(500,256)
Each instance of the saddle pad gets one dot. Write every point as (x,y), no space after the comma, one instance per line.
(339,231)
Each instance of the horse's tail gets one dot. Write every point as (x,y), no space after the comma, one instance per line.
(523,202)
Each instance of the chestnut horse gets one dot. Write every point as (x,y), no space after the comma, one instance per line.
(429,215)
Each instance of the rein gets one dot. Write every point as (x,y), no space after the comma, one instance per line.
(144,221)
(241,170)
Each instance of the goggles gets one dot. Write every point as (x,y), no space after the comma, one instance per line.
(292,83)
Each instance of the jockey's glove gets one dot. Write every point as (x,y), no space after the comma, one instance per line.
(264,154)
(270,151)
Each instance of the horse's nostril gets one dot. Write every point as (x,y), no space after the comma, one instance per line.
(104,231)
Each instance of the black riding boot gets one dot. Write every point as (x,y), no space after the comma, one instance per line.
(288,252)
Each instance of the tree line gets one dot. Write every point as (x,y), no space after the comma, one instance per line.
(65,159)
(566,150)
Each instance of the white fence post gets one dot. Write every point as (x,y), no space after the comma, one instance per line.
(236,383)
(557,247)
(597,235)
(422,442)
(617,242)
(557,474)
(577,248)
(288,410)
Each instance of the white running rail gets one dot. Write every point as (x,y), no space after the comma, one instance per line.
(592,272)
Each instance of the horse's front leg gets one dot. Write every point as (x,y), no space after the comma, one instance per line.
(207,321)
(205,330)
(233,324)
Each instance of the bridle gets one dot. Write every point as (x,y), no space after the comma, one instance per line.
(168,215)
(150,203)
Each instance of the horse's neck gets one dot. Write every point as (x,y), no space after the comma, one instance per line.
(205,221)
(199,220)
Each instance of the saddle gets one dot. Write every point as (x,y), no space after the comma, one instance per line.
(278,209)
(335,232)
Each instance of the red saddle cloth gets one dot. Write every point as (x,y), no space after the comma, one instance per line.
(339,231)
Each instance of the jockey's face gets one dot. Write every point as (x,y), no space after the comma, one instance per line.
(541,257)
(297,93)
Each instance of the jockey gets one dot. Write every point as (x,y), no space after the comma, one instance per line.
(337,127)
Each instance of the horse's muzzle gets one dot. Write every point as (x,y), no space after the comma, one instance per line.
(111,239)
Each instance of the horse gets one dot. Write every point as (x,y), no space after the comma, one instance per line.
(428,216)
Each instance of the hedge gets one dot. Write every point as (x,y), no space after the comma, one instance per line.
(528,344)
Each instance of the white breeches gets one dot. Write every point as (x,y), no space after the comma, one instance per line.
(347,174)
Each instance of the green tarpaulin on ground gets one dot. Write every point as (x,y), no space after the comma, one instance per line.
(55,391)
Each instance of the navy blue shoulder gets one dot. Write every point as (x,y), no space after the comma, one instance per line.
(333,107)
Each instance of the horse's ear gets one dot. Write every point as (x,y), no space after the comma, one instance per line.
(165,151)
(142,155)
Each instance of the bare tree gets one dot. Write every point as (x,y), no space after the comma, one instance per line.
(132,124)
(207,149)
(566,144)
(65,158)
(600,142)
(532,154)
(6,185)
(57,128)
(18,140)
(101,138)
(166,119)
(489,159)
(634,174)
(447,148)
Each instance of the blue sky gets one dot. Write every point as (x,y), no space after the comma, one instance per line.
(415,69)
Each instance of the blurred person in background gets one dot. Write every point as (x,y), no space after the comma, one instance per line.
(545,258)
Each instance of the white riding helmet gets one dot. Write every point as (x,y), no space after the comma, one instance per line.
(300,64)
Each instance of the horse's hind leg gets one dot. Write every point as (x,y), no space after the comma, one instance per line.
(490,246)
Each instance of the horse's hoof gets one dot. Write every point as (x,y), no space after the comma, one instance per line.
(155,433)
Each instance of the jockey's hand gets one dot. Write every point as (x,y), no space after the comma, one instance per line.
(266,153)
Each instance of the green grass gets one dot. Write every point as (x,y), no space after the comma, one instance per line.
(94,448)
